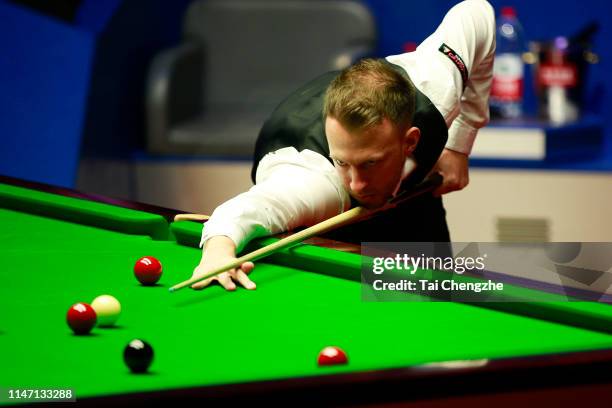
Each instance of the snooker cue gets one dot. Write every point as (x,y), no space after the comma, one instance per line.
(354,214)
(191,217)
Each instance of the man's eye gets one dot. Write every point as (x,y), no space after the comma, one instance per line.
(340,163)
(371,163)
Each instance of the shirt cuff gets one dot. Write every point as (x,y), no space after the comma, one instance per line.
(208,231)
(461,137)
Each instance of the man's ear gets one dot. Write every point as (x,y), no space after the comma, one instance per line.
(411,139)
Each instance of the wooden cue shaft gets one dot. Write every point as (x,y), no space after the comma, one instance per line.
(191,217)
(320,228)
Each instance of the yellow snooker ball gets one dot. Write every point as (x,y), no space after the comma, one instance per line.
(107,309)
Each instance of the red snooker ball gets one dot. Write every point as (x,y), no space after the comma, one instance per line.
(148,270)
(332,356)
(81,318)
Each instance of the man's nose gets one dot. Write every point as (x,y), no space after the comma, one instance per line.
(358,182)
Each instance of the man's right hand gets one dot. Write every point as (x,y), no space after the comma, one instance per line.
(219,251)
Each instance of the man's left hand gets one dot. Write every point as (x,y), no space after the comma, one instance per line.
(454,169)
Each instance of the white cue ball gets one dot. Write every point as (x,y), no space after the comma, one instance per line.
(107,309)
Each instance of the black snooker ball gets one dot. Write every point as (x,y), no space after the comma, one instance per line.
(138,355)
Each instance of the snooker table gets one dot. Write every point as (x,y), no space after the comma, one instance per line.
(60,247)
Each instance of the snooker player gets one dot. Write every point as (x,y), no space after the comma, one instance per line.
(359,137)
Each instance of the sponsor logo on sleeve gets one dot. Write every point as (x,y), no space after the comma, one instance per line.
(455,59)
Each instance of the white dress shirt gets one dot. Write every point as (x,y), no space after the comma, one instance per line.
(295,189)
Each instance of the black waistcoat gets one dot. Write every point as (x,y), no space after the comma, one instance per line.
(298,122)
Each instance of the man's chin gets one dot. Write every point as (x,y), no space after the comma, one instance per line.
(371,203)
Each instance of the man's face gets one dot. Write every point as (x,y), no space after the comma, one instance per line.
(370,162)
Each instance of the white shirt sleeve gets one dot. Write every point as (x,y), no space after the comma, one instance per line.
(468,29)
(292,189)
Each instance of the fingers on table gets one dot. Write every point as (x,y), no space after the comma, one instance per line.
(203,284)
(223,278)
(244,280)
(226,279)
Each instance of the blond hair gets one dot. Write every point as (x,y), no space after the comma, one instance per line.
(365,93)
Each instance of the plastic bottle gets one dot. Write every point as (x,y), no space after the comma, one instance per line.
(506,99)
